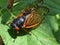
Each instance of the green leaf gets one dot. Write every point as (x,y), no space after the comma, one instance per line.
(53,6)
(3,3)
(44,34)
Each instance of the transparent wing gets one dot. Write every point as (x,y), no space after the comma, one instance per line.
(32,20)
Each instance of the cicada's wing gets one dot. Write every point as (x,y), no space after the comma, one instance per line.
(22,12)
(32,20)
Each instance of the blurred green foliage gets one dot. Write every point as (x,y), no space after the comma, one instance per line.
(47,33)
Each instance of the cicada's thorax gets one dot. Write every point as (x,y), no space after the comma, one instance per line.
(19,21)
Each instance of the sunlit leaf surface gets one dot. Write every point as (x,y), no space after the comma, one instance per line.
(47,33)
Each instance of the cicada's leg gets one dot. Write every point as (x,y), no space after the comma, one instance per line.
(27,31)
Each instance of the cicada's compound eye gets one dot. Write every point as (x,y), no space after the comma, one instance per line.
(13,25)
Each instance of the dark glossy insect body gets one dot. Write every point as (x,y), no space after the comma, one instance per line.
(19,21)
(27,19)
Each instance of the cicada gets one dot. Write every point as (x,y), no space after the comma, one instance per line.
(28,18)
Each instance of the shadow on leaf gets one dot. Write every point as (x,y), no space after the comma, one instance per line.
(14,34)
(57,35)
